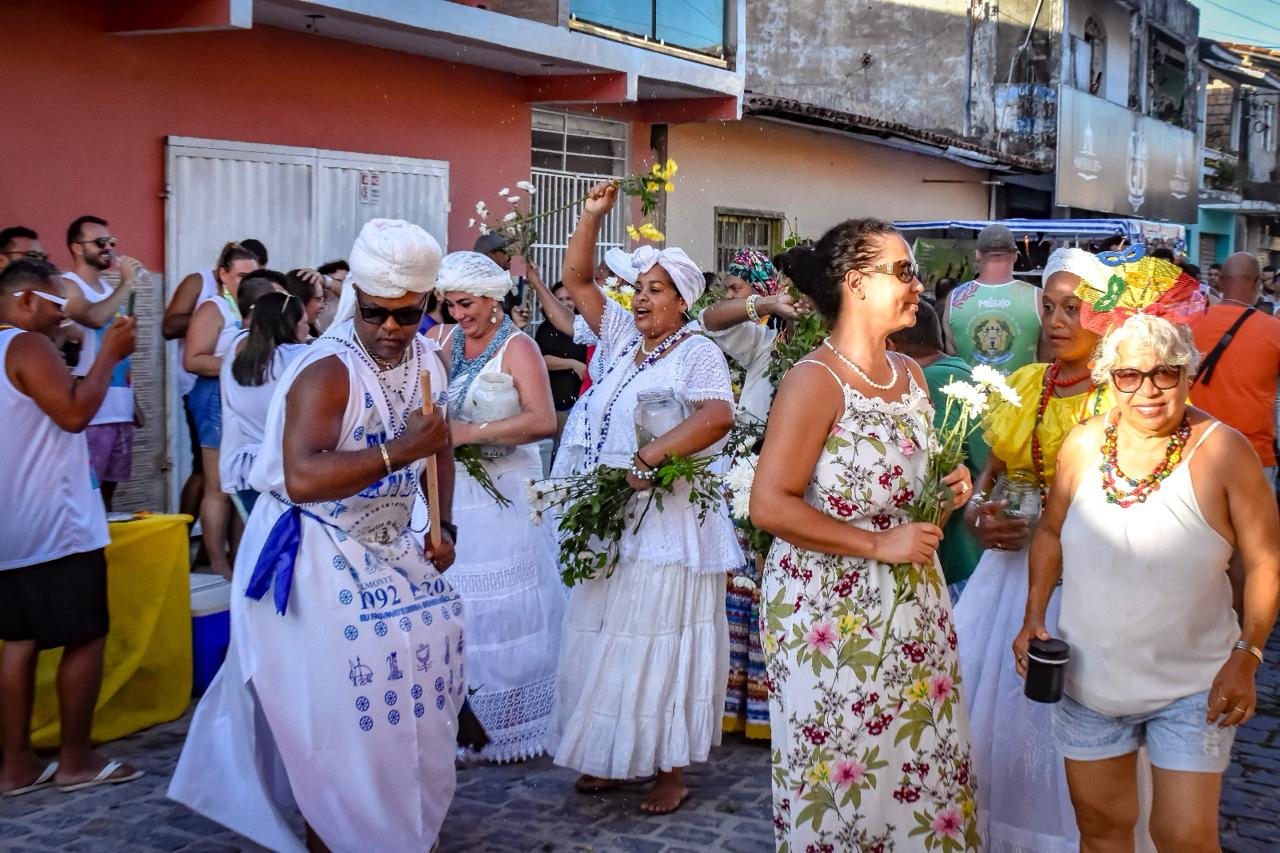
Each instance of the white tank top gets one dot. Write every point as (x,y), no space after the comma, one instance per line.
(1146,604)
(244,414)
(117,406)
(230,324)
(208,290)
(48,505)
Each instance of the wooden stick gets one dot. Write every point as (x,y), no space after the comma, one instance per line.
(433,475)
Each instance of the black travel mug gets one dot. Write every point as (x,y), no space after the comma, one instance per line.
(1046,669)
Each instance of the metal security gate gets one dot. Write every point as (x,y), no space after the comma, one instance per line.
(306,204)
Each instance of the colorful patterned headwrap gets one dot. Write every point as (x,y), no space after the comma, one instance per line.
(754,267)
(1139,284)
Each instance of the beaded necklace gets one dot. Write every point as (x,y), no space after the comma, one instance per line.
(633,371)
(404,393)
(1050,382)
(232,305)
(1140,489)
(462,370)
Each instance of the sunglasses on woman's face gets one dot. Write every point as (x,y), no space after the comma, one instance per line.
(904,270)
(376,315)
(1129,379)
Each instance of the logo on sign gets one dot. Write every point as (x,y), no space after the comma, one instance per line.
(1137,169)
(1087,163)
(1179,185)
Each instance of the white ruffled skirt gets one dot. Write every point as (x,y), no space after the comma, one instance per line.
(507,574)
(644,663)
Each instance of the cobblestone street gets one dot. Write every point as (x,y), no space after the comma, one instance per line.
(532,806)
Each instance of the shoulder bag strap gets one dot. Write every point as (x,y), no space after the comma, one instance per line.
(1211,360)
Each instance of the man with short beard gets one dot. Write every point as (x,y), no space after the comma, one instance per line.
(92,303)
(19,242)
(53,572)
(342,686)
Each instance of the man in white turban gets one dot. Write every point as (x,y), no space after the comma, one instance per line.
(342,686)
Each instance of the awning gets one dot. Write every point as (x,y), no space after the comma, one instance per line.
(1131,229)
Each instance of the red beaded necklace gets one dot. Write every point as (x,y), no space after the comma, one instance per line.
(1141,489)
(1050,382)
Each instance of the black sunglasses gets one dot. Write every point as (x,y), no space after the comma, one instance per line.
(377,315)
(31,255)
(1129,379)
(100,242)
(905,270)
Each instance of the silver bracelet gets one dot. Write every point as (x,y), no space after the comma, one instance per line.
(635,471)
(752,314)
(1253,650)
(386,457)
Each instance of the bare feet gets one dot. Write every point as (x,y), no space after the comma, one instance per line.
(588,784)
(668,793)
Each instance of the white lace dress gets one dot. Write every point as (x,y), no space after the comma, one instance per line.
(507,573)
(644,653)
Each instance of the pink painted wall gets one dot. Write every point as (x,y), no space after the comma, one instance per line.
(88,113)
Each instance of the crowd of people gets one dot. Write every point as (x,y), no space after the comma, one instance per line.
(365,434)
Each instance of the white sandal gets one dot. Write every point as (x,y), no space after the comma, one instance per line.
(104,777)
(44,780)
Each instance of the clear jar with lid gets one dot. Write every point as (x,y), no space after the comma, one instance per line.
(1022,493)
(657,412)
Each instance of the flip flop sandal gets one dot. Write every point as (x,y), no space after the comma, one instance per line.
(104,777)
(44,780)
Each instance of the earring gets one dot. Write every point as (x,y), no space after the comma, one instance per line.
(493,318)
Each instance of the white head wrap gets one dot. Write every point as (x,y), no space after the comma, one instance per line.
(619,263)
(686,275)
(1080,263)
(474,273)
(390,258)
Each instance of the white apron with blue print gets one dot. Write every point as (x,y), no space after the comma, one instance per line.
(345,705)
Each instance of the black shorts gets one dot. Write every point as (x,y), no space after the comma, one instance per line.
(59,603)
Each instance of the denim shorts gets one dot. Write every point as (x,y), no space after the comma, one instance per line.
(205,401)
(1177,737)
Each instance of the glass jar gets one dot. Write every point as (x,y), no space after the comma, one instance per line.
(495,398)
(657,412)
(1022,493)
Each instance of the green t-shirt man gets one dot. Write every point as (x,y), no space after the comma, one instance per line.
(995,324)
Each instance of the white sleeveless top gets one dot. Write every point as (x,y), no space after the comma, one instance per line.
(230,323)
(117,406)
(48,505)
(521,455)
(244,414)
(208,290)
(1146,604)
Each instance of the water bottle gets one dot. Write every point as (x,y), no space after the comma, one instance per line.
(657,412)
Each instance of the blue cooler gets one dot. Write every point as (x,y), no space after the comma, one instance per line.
(210,628)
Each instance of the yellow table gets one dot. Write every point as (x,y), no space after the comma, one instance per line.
(146,677)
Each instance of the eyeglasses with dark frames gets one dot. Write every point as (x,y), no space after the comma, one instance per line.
(904,270)
(376,315)
(100,242)
(1129,379)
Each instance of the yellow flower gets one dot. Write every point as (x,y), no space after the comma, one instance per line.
(670,169)
(657,169)
(649,232)
(918,691)
(669,187)
(850,625)
(967,808)
(820,774)
(633,233)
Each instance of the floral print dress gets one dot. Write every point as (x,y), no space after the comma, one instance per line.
(870,739)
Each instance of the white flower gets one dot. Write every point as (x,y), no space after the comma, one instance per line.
(527,187)
(740,506)
(743,582)
(739,481)
(969,396)
(988,377)
(481,210)
(627,290)
(611,282)
(743,449)
(484,229)
(510,216)
(514,199)
(535,516)
(504,191)
(471,223)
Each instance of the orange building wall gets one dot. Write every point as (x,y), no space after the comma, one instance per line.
(87,114)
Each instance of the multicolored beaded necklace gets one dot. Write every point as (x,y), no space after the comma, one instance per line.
(1051,381)
(1140,489)
(633,371)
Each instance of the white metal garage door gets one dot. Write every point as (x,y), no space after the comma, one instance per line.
(306,204)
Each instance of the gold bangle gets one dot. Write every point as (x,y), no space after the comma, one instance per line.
(386,457)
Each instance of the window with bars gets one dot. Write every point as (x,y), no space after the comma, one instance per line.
(583,146)
(738,229)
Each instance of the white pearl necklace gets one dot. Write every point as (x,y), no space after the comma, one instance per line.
(893,366)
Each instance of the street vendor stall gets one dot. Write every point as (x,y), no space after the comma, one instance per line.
(146,678)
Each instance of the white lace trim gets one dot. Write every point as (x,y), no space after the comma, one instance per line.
(516,720)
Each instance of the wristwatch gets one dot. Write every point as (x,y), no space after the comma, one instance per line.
(450,528)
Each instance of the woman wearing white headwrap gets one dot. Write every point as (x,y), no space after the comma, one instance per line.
(341,689)
(645,653)
(506,571)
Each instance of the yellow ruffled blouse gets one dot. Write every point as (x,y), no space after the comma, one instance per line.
(1008,428)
